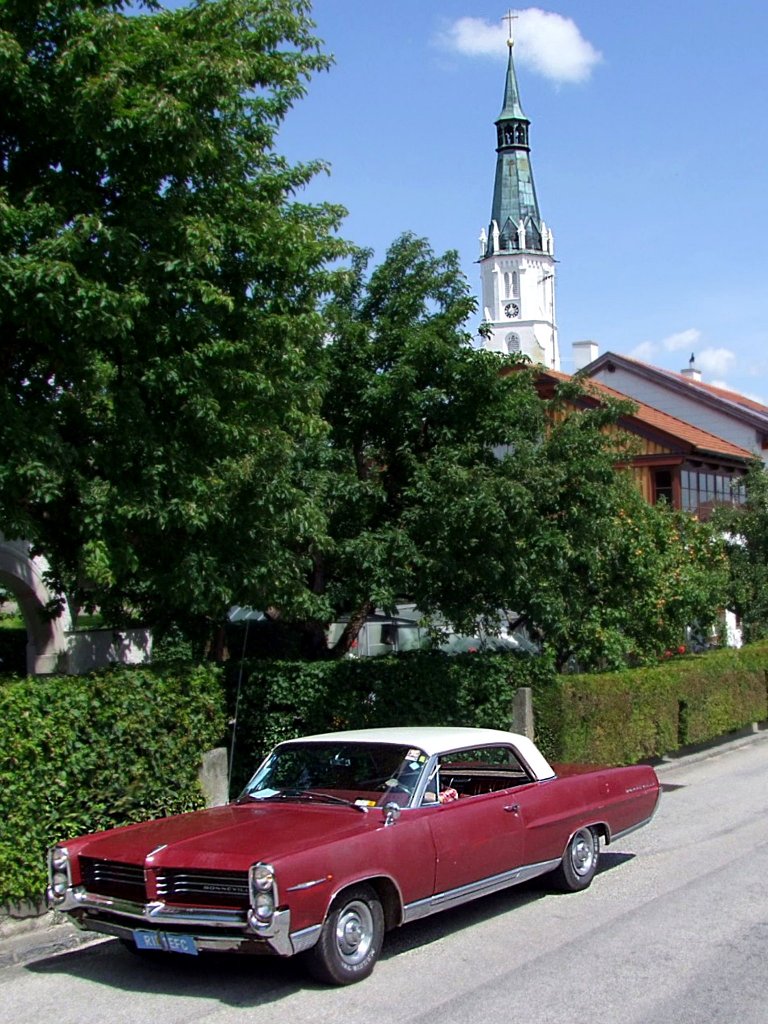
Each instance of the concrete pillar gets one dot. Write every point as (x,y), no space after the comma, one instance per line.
(522,712)
(214,777)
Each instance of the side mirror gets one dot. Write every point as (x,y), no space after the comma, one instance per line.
(391,813)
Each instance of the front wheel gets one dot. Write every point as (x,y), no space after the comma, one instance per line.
(579,863)
(351,939)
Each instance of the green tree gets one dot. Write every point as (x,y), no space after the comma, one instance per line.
(587,566)
(745,530)
(451,481)
(409,403)
(609,579)
(159,287)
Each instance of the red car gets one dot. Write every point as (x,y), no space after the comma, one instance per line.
(338,838)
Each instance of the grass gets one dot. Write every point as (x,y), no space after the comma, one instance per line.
(13,620)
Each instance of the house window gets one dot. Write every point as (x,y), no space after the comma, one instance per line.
(703,488)
(662,486)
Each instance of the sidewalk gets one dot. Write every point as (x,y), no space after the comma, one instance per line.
(48,935)
(756,733)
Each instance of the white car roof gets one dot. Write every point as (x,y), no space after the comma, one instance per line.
(440,739)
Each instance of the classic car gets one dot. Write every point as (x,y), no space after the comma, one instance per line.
(339,837)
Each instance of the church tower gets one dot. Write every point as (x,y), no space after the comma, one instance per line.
(517,262)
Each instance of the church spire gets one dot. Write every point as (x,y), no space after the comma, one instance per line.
(512,109)
(517,261)
(515,219)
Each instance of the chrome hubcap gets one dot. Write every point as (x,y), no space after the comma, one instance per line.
(583,852)
(354,932)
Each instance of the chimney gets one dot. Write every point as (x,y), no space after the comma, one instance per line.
(584,352)
(691,371)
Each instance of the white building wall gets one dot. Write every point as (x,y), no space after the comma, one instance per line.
(519,305)
(684,408)
(98,648)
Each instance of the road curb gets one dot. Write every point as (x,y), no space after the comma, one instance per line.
(47,938)
(755,733)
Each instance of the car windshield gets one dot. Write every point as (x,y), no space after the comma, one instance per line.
(362,774)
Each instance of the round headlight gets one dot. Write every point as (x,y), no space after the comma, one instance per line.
(59,859)
(59,883)
(265,906)
(263,877)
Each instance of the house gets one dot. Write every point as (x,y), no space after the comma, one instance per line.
(726,414)
(676,461)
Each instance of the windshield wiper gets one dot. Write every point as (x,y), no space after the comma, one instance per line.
(333,799)
(308,794)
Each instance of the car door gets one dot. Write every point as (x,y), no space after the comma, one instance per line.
(476,827)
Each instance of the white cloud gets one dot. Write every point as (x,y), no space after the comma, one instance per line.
(545,42)
(474,37)
(646,351)
(683,339)
(715,360)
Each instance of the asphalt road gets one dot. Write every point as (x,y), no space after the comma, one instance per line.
(673,929)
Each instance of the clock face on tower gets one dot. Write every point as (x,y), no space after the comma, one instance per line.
(512,310)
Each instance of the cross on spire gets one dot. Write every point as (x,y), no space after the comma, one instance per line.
(509,17)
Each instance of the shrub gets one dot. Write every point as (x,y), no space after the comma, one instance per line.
(281,699)
(636,714)
(611,718)
(81,753)
(90,752)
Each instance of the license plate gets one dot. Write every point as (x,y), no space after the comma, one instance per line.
(169,942)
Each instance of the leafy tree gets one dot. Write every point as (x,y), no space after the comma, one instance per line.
(159,287)
(745,529)
(450,480)
(181,427)
(610,579)
(590,569)
(408,403)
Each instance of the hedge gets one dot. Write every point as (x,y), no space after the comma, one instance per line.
(88,752)
(612,718)
(280,699)
(80,753)
(640,714)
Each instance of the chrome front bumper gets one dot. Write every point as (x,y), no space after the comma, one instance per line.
(217,930)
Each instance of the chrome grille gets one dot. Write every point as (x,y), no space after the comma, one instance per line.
(113,878)
(203,888)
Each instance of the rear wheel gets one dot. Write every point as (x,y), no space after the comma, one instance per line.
(579,862)
(351,939)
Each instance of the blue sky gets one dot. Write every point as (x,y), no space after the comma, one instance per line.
(649,149)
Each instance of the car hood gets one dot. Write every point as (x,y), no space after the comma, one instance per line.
(227,838)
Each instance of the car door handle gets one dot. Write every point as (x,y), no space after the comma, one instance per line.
(512,808)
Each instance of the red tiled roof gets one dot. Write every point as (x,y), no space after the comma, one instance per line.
(702,440)
(729,396)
